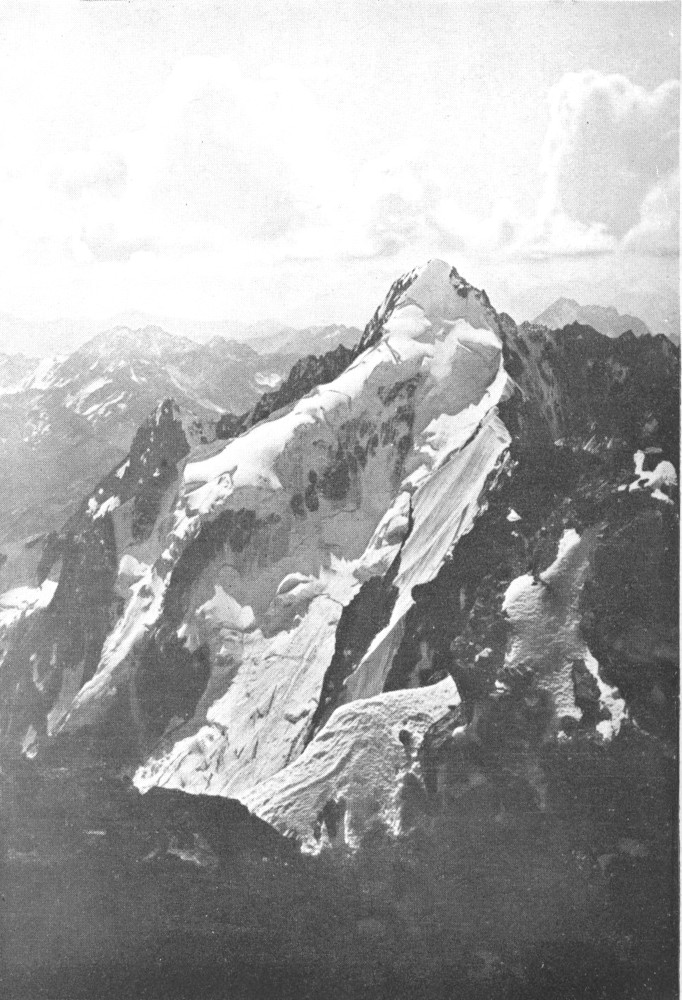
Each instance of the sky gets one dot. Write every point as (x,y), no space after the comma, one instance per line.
(289,161)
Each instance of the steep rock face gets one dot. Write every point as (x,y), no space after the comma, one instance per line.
(293,517)
(447,499)
(52,645)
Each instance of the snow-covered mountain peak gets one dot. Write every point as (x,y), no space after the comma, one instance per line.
(147,342)
(279,596)
(435,301)
(235,350)
(34,374)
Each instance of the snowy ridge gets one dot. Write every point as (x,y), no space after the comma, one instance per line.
(42,376)
(449,378)
(276,598)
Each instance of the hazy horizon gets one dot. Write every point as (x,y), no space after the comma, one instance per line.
(228,166)
(63,335)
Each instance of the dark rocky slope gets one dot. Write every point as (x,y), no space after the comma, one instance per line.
(533,856)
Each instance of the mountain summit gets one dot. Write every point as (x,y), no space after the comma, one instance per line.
(416,609)
(424,516)
(605,319)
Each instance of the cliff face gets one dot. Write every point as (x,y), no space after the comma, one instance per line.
(279,532)
(55,632)
(419,536)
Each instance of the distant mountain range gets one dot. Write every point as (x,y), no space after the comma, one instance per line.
(65,420)
(44,338)
(604,319)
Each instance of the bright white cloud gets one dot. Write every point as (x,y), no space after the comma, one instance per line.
(607,146)
(103,172)
(658,230)
(608,143)
(222,160)
(398,203)
(558,235)
(230,163)
(234,175)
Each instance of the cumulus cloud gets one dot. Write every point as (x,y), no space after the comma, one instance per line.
(658,229)
(249,167)
(608,181)
(397,203)
(608,143)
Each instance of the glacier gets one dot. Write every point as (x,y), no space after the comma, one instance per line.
(236,647)
(411,434)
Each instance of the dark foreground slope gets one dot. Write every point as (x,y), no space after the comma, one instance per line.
(108,894)
(533,845)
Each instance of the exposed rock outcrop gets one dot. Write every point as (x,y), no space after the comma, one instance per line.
(430,519)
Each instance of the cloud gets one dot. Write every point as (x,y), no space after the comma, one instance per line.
(222,161)
(607,169)
(230,169)
(107,244)
(658,229)
(398,203)
(101,172)
(607,145)
(558,235)
(232,150)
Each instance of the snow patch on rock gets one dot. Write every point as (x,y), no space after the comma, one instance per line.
(108,507)
(24,601)
(664,475)
(545,625)
(267,380)
(226,612)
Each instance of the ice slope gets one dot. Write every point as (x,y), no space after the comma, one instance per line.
(360,763)
(306,507)
(261,722)
(444,508)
